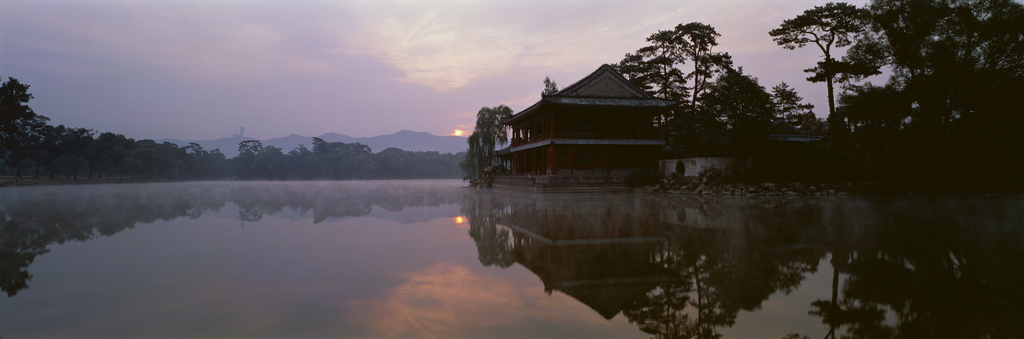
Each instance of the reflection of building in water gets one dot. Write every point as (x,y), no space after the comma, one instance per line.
(605,256)
(685,267)
(668,264)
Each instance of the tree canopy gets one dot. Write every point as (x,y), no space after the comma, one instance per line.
(550,87)
(832,25)
(657,67)
(788,104)
(18,122)
(952,103)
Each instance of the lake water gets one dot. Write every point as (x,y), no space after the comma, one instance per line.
(431,259)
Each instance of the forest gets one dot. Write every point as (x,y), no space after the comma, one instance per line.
(951,109)
(32,148)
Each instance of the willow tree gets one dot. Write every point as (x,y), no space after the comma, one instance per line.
(488,133)
(832,25)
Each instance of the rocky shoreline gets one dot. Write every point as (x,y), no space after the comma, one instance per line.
(709,185)
(713,184)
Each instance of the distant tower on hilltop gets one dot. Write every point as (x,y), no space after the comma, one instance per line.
(241,132)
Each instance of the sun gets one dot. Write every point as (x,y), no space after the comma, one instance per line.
(457,133)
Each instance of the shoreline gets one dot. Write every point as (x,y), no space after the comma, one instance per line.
(879,188)
(7,181)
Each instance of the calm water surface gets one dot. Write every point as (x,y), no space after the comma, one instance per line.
(430,259)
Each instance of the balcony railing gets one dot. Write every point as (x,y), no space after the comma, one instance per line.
(531,139)
(565,135)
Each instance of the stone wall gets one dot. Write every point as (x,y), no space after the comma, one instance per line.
(562,183)
(691,167)
(592,171)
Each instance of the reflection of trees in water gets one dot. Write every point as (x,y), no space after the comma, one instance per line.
(493,245)
(724,269)
(944,270)
(942,267)
(34,217)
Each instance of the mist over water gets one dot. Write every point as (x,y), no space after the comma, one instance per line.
(434,259)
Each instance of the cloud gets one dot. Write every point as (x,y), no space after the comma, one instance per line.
(449,44)
(440,44)
(196,69)
(202,42)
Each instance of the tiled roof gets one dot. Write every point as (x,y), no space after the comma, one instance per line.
(605,87)
(783,131)
(608,75)
(783,127)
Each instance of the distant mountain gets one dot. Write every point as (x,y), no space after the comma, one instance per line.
(404,139)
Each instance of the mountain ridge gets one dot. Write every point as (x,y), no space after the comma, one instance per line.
(405,139)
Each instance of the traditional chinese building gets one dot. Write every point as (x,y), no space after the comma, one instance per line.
(783,131)
(593,132)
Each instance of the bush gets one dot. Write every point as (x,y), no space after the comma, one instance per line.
(709,174)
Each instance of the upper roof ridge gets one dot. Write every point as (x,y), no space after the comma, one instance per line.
(604,82)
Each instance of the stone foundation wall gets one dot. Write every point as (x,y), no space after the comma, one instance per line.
(691,167)
(563,183)
(593,172)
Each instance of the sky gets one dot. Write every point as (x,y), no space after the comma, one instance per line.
(202,69)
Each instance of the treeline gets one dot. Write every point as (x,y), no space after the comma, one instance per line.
(338,160)
(952,108)
(32,148)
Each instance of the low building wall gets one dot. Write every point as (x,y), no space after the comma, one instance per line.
(592,172)
(691,167)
